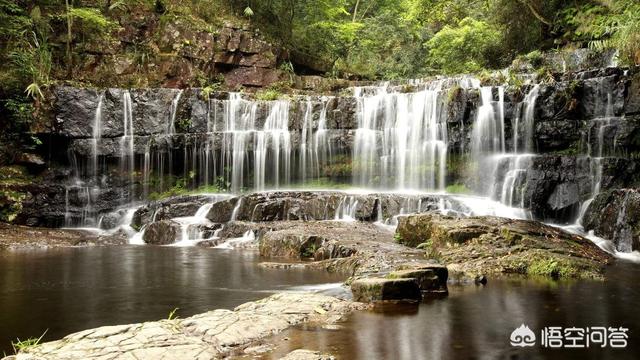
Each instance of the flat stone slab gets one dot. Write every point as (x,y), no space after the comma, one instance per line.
(213,334)
(381,289)
(302,354)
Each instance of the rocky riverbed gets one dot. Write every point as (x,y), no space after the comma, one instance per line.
(417,260)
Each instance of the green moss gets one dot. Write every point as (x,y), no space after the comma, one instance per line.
(268,95)
(10,204)
(535,58)
(322,183)
(554,268)
(454,93)
(183,125)
(397,237)
(457,189)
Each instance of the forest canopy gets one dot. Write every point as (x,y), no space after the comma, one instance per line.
(408,38)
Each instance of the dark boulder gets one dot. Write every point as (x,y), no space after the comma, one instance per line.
(163,232)
(615,215)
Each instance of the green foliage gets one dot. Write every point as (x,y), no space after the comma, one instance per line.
(469,47)
(208,90)
(308,251)
(322,183)
(183,125)
(457,189)
(172,314)
(269,94)
(608,24)
(535,58)
(91,19)
(551,268)
(23,345)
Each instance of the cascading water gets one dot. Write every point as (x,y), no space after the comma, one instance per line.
(487,136)
(401,140)
(487,139)
(526,108)
(95,140)
(127,151)
(400,143)
(273,147)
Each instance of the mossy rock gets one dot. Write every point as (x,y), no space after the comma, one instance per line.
(428,280)
(381,289)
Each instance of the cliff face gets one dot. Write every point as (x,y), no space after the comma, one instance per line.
(106,148)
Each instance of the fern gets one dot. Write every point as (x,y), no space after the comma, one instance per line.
(33,90)
(248,12)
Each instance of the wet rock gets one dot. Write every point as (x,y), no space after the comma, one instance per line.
(302,354)
(318,205)
(173,207)
(163,232)
(211,335)
(615,215)
(555,186)
(253,76)
(236,229)
(380,289)
(73,108)
(429,278)
(491,245)
(111,220)
(279,243)
(222,211)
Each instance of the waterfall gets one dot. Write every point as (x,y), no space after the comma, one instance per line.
(513,185)
(127,154)
(191,227)
(273,140)
(315,148)
(502,175)
(487,136)
(305,137)
(604,119)
(346,210)
(401,140)
(171,127)
(487,139)
(529,104)
(321,145)
(95,139)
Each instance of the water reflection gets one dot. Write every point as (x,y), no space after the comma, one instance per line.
(476,322)
(67,290)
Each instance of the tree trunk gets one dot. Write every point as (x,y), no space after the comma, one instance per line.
(355,11)
(69,57)
(535,12)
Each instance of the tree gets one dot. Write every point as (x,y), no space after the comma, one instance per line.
(469,47)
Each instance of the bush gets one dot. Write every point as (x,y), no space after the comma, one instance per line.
(469,47)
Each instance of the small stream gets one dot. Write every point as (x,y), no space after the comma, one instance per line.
(71,289)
